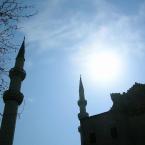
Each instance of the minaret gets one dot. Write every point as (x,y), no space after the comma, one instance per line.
(82,102)
(82,105)
(12,99)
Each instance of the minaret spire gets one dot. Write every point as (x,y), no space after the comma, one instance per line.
(82,102)
(81,90)
(21,52)
(12,99)
(20,59)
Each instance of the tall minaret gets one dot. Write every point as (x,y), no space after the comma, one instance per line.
(12,99)
(82,105)
(82,102)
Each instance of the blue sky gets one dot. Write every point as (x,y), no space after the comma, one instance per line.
(60,40)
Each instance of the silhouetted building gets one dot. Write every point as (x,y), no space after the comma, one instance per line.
(12,99)
(123,124)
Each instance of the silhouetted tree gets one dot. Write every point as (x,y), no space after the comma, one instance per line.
(11,13)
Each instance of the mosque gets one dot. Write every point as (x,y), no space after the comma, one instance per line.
(123,124)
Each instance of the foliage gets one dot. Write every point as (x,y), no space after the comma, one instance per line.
(11,13)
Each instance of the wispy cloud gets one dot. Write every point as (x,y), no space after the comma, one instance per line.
(87,26)
(58,27)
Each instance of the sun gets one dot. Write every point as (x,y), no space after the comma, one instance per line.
(105,66)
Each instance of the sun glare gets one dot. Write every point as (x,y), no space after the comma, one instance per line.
(103,66)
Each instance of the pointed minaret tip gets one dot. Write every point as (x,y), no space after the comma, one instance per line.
(81,84)
(21,52)
(80,78)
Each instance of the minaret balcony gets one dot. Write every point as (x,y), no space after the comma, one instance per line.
(82,102)
(11,95)
(17,72)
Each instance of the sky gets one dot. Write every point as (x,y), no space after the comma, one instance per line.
(69,38)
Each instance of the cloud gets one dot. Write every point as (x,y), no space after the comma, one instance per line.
(116,31)
(85,26)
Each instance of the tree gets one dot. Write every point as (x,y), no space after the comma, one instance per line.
(11,13)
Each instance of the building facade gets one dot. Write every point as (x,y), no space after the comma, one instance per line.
(123,124)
